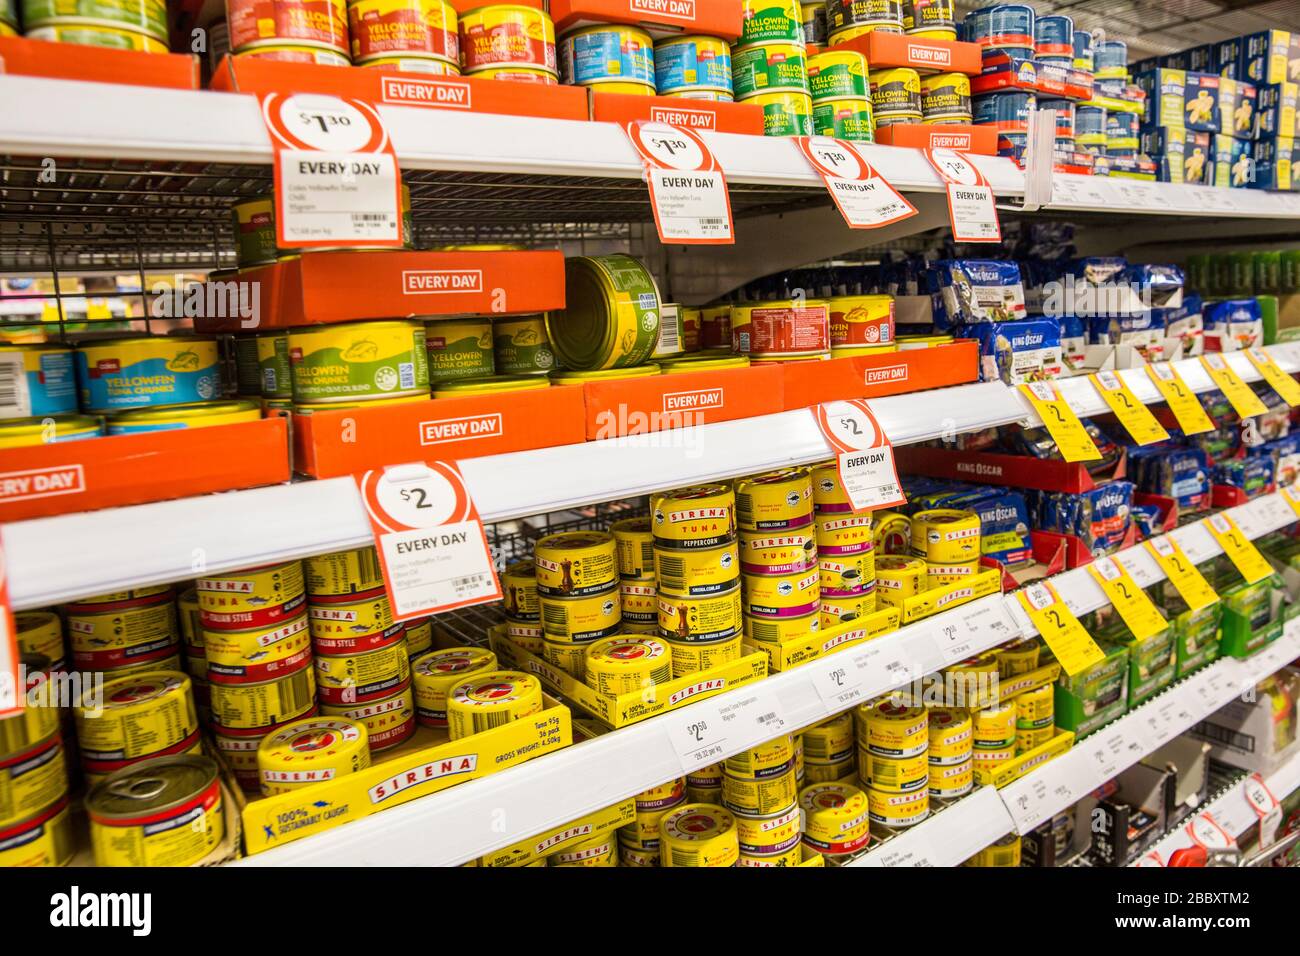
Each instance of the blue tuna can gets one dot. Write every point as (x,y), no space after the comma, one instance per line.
(1064,110)
(1006,110)
(1090,125)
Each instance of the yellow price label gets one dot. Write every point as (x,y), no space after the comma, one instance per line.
(1057,625)
(1184,575)
(1182,401)
(1132,414)
(1278,380)
(1063,425)
(1240,549)
(1243,399)
(1139,613)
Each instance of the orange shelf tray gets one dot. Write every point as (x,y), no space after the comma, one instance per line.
(982,140)
(888,50)
(718,18)
(69,61)
(350,441)
(872,376)
(464,93)
(636,405)
(325,287)
(134,469)
(692,114)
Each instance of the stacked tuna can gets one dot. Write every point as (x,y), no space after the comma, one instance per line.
(705,785)
(257,645)
(196,655)
(788,330)
(8,19)
(40,633)
(301,31)
(783,590)
(489,700)
(836,819)
(840,85)
(311,751)
(136,718)
(761,788)
(845,549)
(609,58)
(139,25)
(893,763)
(769,69)
(435,673)
(634,540)
(994,730)
(362,660)
(523,611)
(699,835)
(415,36)
(578,595)
(694,68)
(35,826)
(638,841)
(697,571)
(599,851)
(950,753)
(508,42)
(124,633)
(948,541)
(828,749)
(1035,718)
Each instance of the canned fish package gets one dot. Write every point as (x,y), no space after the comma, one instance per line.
(785,112)
(768,67)
(691,64)
(581,619)
(136,718)
(358,360)
(930,19)
(104,637)
(166,812)
(701,518)
(848,119)
(893,730)
(714,617)
(388,722)
(140,16)
(883,15)
(771,20)
(692,657)
(621,665)
(257,654)
(781,329)
(777,552)
(611,317)
(45,839)
(459,349)
(343,572)
(775,501)
(634,541)
(519,590)
(576,564)
(31,778)
(385,28)
(437,672)
(43,381)
(521,346)
(599,851)
(310,23)
(950,781)
(607,52)
(782,596)
(249,709)
(836,818)
(117,374)
(490,700)
(365,672)
(760,796)
(893,774)
(837,75)
(311,751)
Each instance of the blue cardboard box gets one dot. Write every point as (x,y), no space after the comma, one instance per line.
(1275,113)
(1180,98)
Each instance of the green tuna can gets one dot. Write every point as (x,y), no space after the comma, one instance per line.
(765,20)
(848,119)
(611,319)
(459,348)
(838,75)
(358,361)
(254,222)
(248,374)
(275,377)
(142,16)
(764,67)
(521,346)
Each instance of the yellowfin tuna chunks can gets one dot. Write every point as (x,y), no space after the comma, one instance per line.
(491,700)
(117,374)
(951,735)
(896,96)
(506,34)
(899,578)
(387,28)
(691,657)
(836,818)
(46,839)
(714,617)
(31,778)
(601,850)
(621,665)
(136,718)
(611,317)
(766,20)
(437,672)
(311,751)
(41,633)
(892,730)
(634,539)
(947,782)
(883,15)
(167,812)
(576,564)
(459,348)
(136,631)
(932,19)
(580,620)
(519,590)
(694,519)
(358,360)
(949,535)
(651,805)
(995,727)
(847,118)
(343,572)
(388,722)
(893,774)
(254,221)
(787,552)
(245,709)
(694,64)
(697,573)
(767,67)
(775,501)
(698,834)
(785,112)
(274,375)
(520,346)
(945,98)
(837,75)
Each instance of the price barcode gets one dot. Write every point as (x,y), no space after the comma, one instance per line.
(768,718)
(371,217)
(468,583)
(712,221)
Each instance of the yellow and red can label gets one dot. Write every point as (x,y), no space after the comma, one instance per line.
(951,735)
(257,592)
(694,656)
(942,575)
(315,23)
(836,609)
(136,718)
(576,564)
(364,676)
(899,578)
(948,535)
(694,519)
(343,572)
(786,329)
(785,552)
(437,672)
(995,727)
(700,620)
(866,320)
(775,501)
(181,835)
(621,665)
(836,818)
(893,774)
(898,810)
(633,856)
(335,619)
(256,708)
(46,839)
(507,35)
(388,722)
(31,779)
(698,835)
(311,751)
(829,496)
(776,630)
(519,591)
(893,730)
(848,576)
(41,633)
(1019,658)
(419,636)
(123,634)
(484,701)
(600,851)
(241,657)
(760,796)
(386,28)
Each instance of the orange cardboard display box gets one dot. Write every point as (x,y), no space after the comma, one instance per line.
(717,18)
(623,108)
(69,61)
(893,50)
(872,376)
(660,402)
(980,140)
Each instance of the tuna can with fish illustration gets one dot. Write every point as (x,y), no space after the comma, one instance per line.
(389,721)
(611,317)
(250,598)
(139,372)
(359,669)
(520,345)
(437,672)
(106,635)
(136,718)
(576,563)
(350,615)
(358,360)
(257,654)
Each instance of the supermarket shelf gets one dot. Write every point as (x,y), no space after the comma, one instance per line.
(1232,811)
(948,838)
(463,823)
(1101,194)
(52,560)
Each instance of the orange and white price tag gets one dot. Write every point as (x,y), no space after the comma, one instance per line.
(1265,805)
(1241,396)
(1139,613)
(1132,414)
(687,188)
(1150,859)
(12,680)
(864,198)
(1205,832)
(1185,576)
(972,210)
(1182,401)
(336,176)
(430,541)
(1057,625)
(1072,439)
(1254,567)
(1278,380)
(863,454)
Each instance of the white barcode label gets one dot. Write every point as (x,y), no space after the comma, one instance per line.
(406,374)
(670,341)
(15,402)
(469,584)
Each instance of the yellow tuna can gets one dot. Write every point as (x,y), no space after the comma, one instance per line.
(896,96)
(624,664)
(949,535)
(136,631)
(694,519)
(358,360)
(947,782)
(892,534)
(951,735)
(898,579)
(311,751)
(650,807)
(1027,740)
(348,617)
(388,722)
(768,839)
(942,575)
(363,671)
(235,657)
(714,617)
(782,596)
(893,774)
(93,35)
(136,718)
(785,552)
(343,572)
(1018,658)
(697,573)
(630,856)
(611,316)
(250,591)
(896,811)
(760,796)
(817,771)
(839,609)
(251,707)
(507,35)
(1035,709)
(46,839)
(692,657)
(519,588)
(829,496)
(945,98)
(772,758)
(836,818)
(775,501)
(634,539)
(785,113)
(520,345)
(831,740)
(840,535)
(838,74)
(892,730)
(40,716)
(698,834)
(41,633)
(167,812)
(28,432)
(459,348)
(778,630)
(575,564)
(581,619)
(705,785)
(1004,853)
(639,601)
(31,778)
(995,727)
(437,672)
(173,417)
(598,851)
(490,700)
(854,576)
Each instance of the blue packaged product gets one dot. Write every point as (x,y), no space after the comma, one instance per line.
(1161,284)
(1227,59)
(1083,52)
(1175,61)
(1133,167)
(1017,352)
(1147,518)
(599,54)
(1233,162)
(1054,36)
(1098,269)
(1144,332)
(685,63)
(1275,112)
(1237,103)
(1285,453)
(1233,324)
(1172,471)
(1180,98)
(1270,56)
(1181,155)
(1100,161)
(1111,87)
(1064,110)
(1007,111)
(1274,163)
(1090,125)
(967,291)
(1002,26)
(1038,443)
(1121,132)
(1185,324)
(1074,341)
(1201,58)
(1252,474)
(1111,58)
(1100,517)
(1004,524)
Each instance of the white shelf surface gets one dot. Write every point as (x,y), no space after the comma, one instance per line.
(464,822)
(1104,194)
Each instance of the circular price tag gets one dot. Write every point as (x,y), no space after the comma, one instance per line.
(405,497)
(315,121)
(849,426)
(955,167)
(834,157)
(669,147)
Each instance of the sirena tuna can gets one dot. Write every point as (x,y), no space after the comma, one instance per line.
(308,23)
(930,19)
(388,28)
(609,52)
(165,812)
(388,722)
(778,500)
(311,751)
(692,64)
